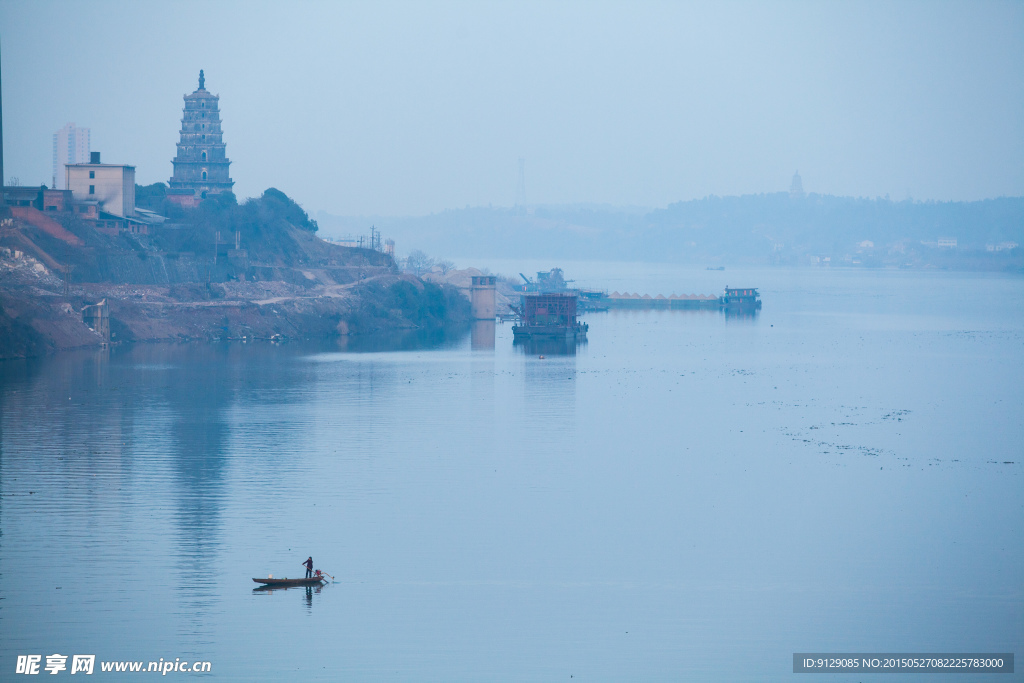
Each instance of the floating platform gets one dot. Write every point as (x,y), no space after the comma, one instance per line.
(733,298)
(686,301)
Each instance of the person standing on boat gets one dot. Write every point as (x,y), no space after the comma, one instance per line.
(309,567)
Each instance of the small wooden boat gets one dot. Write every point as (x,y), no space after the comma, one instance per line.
(313,581)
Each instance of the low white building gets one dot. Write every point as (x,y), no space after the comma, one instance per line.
(111,185)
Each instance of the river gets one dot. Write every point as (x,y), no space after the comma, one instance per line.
(687,496)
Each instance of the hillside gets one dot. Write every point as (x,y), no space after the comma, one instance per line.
(187,280)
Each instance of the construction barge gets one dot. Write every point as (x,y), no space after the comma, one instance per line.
(554,282)
(549,317)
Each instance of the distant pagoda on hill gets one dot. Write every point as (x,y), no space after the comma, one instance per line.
(796,189)
(201,166)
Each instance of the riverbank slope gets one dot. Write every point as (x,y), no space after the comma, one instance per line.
(194,279)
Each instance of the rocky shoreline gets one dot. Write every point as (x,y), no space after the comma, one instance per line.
(37,317)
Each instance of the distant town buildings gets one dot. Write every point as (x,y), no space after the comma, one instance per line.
(201,165)
(70,146)
(796,188)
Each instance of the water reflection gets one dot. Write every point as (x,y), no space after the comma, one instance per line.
(405,340)
(308,590)
(482,375)
(158,419)
(548,347)
(482,335)
(197,442)
(740,313)
(306,593)
(550,386)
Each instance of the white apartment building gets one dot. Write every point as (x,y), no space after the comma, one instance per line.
(70,146)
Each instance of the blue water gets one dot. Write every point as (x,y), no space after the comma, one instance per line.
(687,497)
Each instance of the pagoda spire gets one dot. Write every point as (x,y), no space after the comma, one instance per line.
(202,80)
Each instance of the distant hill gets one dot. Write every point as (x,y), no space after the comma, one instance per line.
(765,228)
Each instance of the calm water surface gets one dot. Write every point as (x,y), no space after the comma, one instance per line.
(687,497)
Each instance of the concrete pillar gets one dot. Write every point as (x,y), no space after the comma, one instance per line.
(482,297)
(97,317)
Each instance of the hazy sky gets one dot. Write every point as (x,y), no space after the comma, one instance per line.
(409,108)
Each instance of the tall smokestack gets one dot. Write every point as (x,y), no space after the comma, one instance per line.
(3,202)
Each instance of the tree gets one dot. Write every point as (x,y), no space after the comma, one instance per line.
(151,196)
(418,262)
(445,266)
(276,205)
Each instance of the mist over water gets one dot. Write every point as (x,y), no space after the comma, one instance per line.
(687,495)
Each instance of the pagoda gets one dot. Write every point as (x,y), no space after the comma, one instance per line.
(796,188)
(201,166)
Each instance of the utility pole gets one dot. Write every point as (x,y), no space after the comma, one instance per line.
(67,281)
